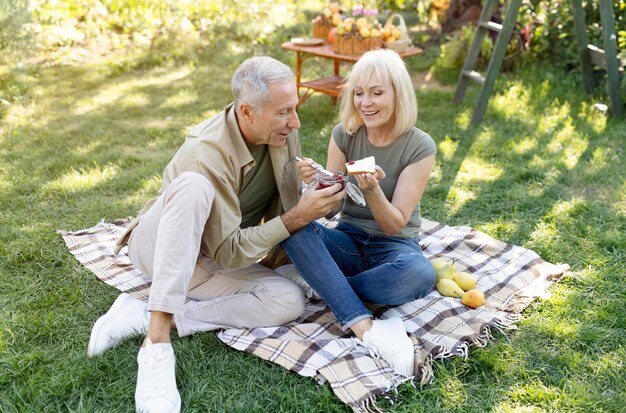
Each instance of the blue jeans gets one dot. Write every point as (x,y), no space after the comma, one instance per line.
(347,267)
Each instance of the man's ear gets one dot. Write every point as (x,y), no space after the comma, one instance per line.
(246,112)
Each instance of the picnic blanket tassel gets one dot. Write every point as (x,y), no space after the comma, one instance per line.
(462,349)
(508,322)
(369,405)
(426,371)
(362,407)
(487,333)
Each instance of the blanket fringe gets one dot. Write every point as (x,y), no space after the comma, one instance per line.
(368,406)
(502,325)
(426,371)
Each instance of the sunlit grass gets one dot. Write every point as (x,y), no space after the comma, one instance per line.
(183,97)
(525,145)
(74,180)
(148,189)
(446,148)
(463,120)
(132,91)
(473,171)
(514,102)
(498,228)
(478,170)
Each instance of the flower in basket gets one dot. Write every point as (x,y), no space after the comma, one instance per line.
(359,10)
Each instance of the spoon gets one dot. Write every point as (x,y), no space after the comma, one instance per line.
(318,167)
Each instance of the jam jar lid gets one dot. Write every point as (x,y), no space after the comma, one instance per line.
(355,194)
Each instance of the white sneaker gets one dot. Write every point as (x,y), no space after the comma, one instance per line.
(388,340)
(127,317)
(156,390)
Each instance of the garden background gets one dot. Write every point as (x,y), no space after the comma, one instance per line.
(96,96)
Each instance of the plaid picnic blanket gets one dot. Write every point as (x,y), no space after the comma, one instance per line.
(314,345)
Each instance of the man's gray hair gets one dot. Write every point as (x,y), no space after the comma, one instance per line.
(250,83)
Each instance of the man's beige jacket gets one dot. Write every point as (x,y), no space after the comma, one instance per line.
(215,148)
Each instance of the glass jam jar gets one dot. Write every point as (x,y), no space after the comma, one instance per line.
(324,181)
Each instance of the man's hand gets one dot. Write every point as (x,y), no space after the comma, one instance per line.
(306,170)
(313,204)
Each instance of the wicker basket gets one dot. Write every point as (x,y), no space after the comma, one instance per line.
(404,42)
(321,29)
(355,45)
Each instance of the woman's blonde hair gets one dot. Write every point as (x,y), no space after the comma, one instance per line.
(387,67)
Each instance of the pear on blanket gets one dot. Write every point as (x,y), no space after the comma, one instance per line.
(465,280)
(449,288)
(473,298)
(444,269)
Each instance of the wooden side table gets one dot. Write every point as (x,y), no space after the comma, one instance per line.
(331,85)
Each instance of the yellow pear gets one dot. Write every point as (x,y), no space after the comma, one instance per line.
(361,22)
(439,264)
(349,21)
(365,32)
(465,280)
(444,269)
(334,7)
(336,19)
(375,33)
(473,298)
(449,288)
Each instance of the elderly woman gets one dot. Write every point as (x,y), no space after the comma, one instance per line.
(373,255)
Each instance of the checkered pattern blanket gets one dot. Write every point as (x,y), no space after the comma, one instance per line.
(314,345)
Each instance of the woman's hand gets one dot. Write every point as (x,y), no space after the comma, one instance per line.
(392,216)
(368,182)
(306,170)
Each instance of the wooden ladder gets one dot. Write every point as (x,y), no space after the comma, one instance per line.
(605,58)
(468,73)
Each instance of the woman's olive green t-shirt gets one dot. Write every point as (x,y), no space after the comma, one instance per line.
(407,149)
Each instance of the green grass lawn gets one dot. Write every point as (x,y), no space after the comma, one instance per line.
(543,170)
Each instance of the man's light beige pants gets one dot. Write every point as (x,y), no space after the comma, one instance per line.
(165,245)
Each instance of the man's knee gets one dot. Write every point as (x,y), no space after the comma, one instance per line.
(289,301)
(194,187)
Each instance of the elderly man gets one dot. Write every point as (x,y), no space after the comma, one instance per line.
(229,196)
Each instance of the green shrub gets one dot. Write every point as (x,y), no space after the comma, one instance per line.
(13,17)
(552,34)
(14,40)
(453,53)
(161,29)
